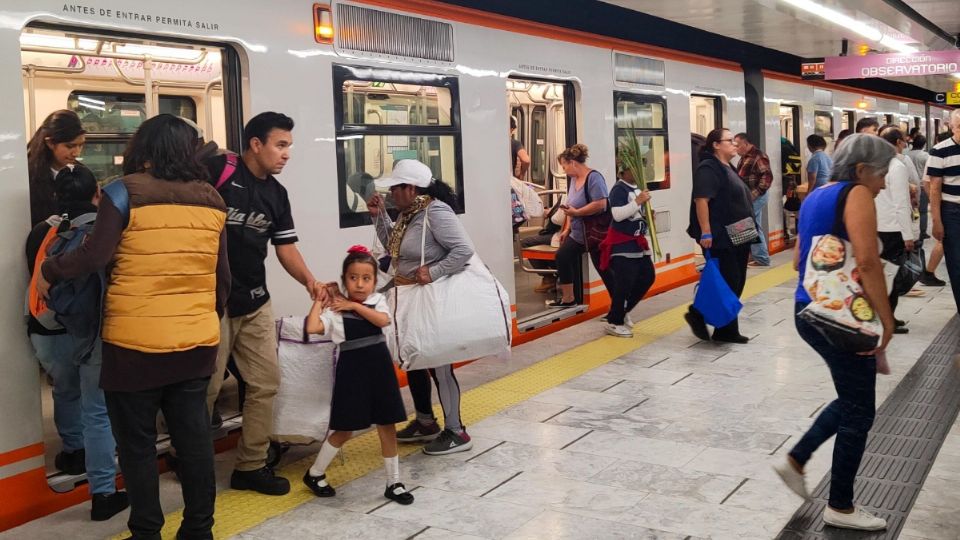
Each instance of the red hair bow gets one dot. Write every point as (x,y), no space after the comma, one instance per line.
(358,249)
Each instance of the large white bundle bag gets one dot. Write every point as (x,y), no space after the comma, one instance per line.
(302,404)
(458,317)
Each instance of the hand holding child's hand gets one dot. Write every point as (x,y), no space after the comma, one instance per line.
(341,304)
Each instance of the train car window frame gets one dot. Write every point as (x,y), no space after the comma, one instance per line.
(95,99)
(827,134)
(662,131)
(351,131)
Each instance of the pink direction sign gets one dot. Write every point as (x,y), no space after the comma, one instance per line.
(892,65)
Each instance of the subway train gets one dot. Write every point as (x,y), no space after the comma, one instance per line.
(369,83)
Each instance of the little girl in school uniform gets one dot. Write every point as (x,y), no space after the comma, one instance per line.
(365,389)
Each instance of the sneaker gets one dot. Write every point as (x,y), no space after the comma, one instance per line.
(398,494)
(107,505)
(901,330)
(313,482)
(860,520)
(618,330)
(628,322)
(417,431)
(448,443)
(697,325)
(262,480)
(73,463)
(929,279)
(793,479)
(561,304)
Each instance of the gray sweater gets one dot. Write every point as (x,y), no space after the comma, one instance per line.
(447,248)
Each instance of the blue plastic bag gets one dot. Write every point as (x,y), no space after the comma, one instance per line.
(714,299)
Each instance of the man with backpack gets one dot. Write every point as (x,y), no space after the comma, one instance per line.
(258,212)
(64,331)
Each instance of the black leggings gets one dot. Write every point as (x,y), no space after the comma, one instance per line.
(568,259)
(447,387)
(895,251)
(632,278)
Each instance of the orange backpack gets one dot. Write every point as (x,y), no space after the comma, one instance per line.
(35,302)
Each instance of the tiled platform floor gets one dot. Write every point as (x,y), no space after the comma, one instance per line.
(673,440)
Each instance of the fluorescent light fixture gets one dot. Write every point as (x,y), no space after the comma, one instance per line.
(91,100)
(897,45)
(56,42)
(161,52)
(89,106)
(837,18)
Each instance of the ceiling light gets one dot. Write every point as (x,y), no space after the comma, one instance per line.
(56,42)
(159,52)
(837,18)
(897,45)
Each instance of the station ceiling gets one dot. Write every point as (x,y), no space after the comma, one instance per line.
(783,26)
(773,34)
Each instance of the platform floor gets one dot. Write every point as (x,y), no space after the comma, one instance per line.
(580,435)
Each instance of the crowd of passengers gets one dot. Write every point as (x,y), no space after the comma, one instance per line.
(181,241)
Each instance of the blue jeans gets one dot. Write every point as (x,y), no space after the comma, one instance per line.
(950,214)
(759,251)
(849,417)
(79,409)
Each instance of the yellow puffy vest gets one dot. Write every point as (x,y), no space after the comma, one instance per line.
(161,293)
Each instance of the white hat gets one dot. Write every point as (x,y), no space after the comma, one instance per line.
(407,171)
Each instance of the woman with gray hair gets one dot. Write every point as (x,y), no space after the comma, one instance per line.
(859,167)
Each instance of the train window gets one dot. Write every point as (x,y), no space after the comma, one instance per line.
(384,116)
(887,119)
(645,118)
(111,118)
(823,125)
(123,113)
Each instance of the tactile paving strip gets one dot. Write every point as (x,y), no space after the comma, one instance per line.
(907,434)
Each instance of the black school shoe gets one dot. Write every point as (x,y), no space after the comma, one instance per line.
(398,494)
(697,325)
(262,480)
(107,505)
(313,482)
(73,463)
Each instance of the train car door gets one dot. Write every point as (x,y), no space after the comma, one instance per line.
(706,113)
(114,82)
(545,112)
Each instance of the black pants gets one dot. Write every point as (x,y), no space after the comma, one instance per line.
(895,251)
(538,240)
(733,268)
(568,258)
(134,419)
(632,279)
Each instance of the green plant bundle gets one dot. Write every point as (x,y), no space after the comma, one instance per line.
(631,156)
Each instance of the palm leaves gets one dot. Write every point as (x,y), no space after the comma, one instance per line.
(630,155)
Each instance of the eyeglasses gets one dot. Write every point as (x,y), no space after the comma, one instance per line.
(734,141)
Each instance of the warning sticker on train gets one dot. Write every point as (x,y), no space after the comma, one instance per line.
(165,19)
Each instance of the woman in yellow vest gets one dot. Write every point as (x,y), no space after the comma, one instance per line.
(160,236)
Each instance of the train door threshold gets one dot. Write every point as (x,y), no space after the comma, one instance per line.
(549,317)
(61,482)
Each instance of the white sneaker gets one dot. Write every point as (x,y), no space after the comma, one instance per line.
(860,520)
(618,330)
(628,322)
(793,479)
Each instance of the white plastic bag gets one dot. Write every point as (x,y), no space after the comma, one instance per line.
(459,317)
(302,404)
(531,201)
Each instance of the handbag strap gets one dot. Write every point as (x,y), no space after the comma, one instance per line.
(838,226)
(423,233)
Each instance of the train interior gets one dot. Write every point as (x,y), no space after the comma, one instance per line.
(542,111)
(114,84)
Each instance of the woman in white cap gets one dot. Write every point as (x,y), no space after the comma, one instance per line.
(447,248)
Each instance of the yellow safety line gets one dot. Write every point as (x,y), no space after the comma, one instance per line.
(238,511)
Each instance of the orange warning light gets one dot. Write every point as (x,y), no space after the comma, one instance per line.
(322,24)
(862,50)
(862,104)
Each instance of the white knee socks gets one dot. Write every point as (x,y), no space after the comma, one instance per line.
(392,465)
(326,455)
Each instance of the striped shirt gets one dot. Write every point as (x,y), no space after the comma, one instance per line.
(944,162)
